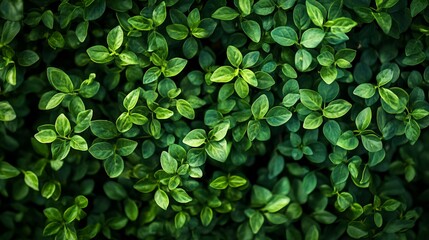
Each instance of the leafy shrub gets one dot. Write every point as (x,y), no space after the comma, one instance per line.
(217,119)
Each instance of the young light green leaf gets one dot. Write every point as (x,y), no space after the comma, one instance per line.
(337,108)
(185,109)
(31,180)
(79,143)
(115,38)
(62,125)
(161,199)
(223,74)
(312,37)
(365,90)
(195,138)
(217,150)
(311,99)
(60,80)
(168,163)
(234,56)
(363,119)
(260,107)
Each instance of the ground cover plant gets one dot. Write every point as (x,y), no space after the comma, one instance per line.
(265,119)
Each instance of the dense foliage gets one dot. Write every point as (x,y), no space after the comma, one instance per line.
(265,119)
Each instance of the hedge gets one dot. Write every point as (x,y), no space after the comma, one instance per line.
(189,119)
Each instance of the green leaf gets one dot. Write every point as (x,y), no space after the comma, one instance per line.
(161,199)
(131,209)
(195,138)
(315,14)
(252,30)
(249,76)
(384,20)
(365,90)
(234,56)
(303,60)
(311,99)
(256,221)
(219,131)
(83,121)
(241,87)
(312,37)
(101,150)
(260,107)
(185,109)
(71,213)
(175,66)
(103,129)
(332,131)
(27,58)
(31,180)
(309,182)
(60,80)
(180,195)
(313,120)
(225,13)
(179,220)
(356,230)
(278,116)
(235,181)
(163,113)
(417,6)
(389,97)
(79,143)
(341,24)
(115,38)
(151,75)
(12,10)
(168,163)
(339,174)
(82,31)
(284,36)
(131,99)
(219,183)
(245,6)
(7,170)
(223,74)
(99,54)
(125,147)
(384,77)
(114,166)
(363,119)
(250,59)
(337,108)
(385,3)
(62,125)
(7,113)
(123,123)
(48,19)
(177,31)
(276,203)
(217,150)
(289,71)
(206,216)
(412,131)
(329,74)
(326,59)
(141,23)
(419,113)
(52,228)
(372,143)
(348,141)
(159,14)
